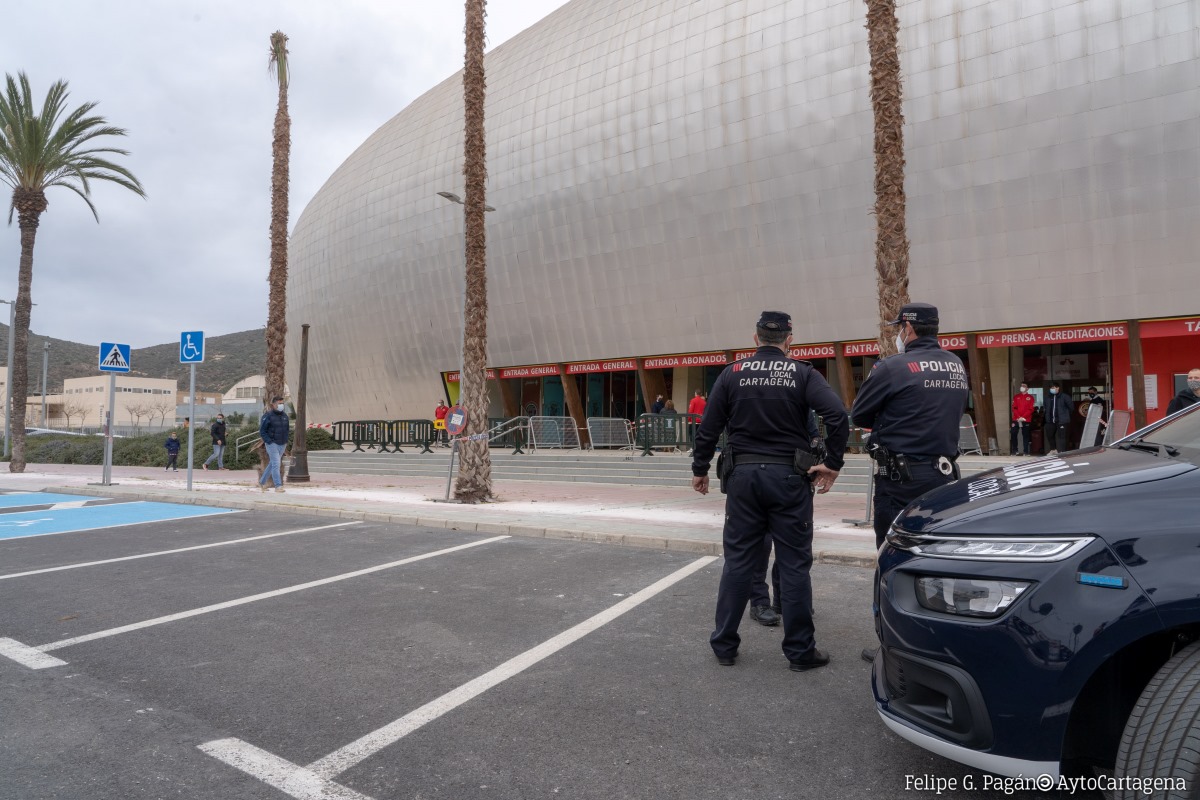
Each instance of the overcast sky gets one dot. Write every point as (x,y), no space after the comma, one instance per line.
(188,80)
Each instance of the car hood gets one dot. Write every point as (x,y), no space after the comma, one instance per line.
(1035,481)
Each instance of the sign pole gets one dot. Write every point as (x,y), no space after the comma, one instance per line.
(191,420)
(108,434)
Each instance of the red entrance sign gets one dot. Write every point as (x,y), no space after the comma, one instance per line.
(861,348)
(695,360)
(453,377)
(1039,336)
(619,365)
(797,351)
(529,372)
(1159,328)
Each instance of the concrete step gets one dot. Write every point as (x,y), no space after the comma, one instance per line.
(666,469)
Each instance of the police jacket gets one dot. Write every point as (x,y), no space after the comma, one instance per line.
(218,432)
(765,401)
(913,402)
(274,427)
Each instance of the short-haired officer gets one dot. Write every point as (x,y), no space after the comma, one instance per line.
(768,475)
(913,403)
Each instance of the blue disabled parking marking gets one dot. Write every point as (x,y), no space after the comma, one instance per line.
(18,499)
(71,520)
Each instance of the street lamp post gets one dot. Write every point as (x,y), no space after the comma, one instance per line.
(12,323)
(453,198)
(45,365)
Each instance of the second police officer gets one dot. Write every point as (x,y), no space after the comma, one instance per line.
(913,403)
(769,475)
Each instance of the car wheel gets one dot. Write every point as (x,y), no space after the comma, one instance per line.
(1162,737)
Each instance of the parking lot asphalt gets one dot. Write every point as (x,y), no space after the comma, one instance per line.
(275,655)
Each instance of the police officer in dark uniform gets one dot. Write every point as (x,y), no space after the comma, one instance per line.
(762,609)
(769,475)
(913,403)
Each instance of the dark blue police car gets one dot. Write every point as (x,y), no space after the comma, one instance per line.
(1042,619)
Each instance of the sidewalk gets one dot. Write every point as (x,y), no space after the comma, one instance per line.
(656,517)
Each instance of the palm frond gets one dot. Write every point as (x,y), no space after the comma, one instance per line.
(55,145)
(277,62)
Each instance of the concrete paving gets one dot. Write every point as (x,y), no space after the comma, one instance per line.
(663,518)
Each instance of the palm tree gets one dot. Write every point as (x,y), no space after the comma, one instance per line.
(474,482)
(891,235)
(40,148)
(281,149)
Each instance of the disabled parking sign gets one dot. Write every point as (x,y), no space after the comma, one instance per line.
(191,347)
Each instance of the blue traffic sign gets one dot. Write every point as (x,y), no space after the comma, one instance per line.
(191,347)
(114,357)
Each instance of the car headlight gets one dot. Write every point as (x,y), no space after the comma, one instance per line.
(968,597)
(991,548)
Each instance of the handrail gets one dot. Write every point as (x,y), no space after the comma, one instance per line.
(507,426)
(237,444)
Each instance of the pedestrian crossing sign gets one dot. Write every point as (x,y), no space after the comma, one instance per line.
(114,357)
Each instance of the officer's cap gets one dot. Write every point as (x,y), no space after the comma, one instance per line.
(917,314)
(775,321)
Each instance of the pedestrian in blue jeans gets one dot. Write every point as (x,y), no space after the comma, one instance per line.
(218,441)
(274,432)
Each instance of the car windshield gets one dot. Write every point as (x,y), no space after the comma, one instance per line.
(1178,437)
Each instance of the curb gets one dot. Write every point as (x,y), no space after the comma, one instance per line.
(648,541)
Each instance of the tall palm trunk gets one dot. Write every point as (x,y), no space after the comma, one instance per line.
(475,468)
(29,206)
(281,149)
(891,235)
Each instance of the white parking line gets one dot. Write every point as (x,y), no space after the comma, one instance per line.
(28,656)
(315,782)
(176,550)
(195,612)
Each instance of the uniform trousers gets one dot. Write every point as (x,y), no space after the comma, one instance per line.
(892,496)
(761,500)
(760,595)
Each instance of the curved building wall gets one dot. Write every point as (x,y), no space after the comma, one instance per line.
(663,170)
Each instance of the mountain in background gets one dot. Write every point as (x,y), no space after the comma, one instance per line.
(227,360)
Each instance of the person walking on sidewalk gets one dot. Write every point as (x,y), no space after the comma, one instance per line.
(217,431)
(768,473)
(274,429)
(173,451)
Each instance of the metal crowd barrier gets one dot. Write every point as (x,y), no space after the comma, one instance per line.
(609,432)
(380,435)
(666,431)
(554,432)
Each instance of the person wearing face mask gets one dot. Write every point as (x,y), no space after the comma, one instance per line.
(1188,396)
(274,432)
(217,431)
(1058,417)
(1022,416)
(913,403)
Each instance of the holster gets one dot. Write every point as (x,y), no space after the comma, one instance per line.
(803,461)
(724,467)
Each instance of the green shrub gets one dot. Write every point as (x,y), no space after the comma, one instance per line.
(149,450)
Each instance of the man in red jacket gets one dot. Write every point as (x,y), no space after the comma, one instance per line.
(439,413)
(696,404)
(1022,415)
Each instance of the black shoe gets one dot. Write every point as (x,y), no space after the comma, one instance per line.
(814,661)
(869,653)
(727,661)
(764,615)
